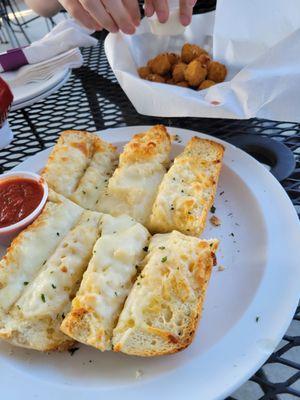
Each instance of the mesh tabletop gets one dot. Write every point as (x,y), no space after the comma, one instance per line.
(93,100)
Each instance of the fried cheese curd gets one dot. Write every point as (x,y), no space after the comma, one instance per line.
(195,73)
(216,72)
(206,84)
(193,68)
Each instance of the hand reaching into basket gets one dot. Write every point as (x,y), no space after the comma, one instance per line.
(123,15)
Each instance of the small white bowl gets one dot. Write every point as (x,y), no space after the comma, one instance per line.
(9,232)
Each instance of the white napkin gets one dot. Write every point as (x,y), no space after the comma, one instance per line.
(63,37)
(259,41)
(43,70)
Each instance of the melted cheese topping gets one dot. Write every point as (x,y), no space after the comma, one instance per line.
(187,190)
(79,167)
(32,247)
(173,279)
(110,274)
(95,179)
(133,186)
(132,191)
(68,161)
(50,291)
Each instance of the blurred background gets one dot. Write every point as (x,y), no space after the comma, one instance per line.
(20,25)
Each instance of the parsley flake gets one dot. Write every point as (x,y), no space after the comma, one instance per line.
(162,248)
(145,248)
(164,259)
(43,298)
(213,209)
(54,287)
(25,283)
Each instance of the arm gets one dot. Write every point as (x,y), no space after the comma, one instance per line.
(45,8)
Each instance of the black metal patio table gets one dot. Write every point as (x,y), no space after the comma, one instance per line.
(93,100)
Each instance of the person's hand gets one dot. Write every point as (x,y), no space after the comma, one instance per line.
(113,15)
(161,8)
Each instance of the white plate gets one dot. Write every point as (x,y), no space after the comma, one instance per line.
(30,93)
(248,307)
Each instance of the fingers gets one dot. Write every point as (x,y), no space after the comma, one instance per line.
(76,10)
(99,13)
(186,11)
(132,6)
(161,7)
(108,14)
(120,15)
(149,8)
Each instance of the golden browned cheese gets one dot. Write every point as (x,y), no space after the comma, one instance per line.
(187,191)
(178,72)
(216,72)
(161,313)
(195,73)
(191,51)
(156,78)
(160,64)
(144,72)
(153,145)
(206,84)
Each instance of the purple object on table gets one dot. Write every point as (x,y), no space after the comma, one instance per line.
(13,59)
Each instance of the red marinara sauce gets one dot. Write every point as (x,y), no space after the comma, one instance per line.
(19,197)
